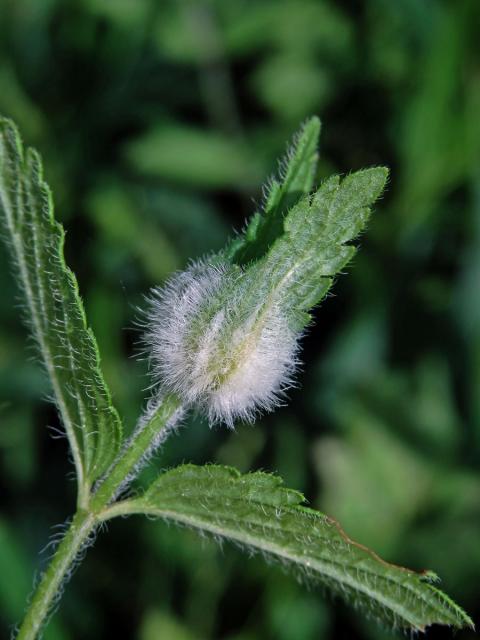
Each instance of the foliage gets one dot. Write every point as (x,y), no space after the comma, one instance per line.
(384,435)
(55,310)
(255,510)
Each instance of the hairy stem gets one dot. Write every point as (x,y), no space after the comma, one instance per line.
(49,588)
(151,431)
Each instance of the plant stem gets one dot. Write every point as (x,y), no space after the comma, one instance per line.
(147,434)
(47,591)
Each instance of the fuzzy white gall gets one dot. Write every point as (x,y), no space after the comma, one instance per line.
(206,348)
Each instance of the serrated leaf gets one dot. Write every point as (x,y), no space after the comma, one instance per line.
(299,267)
(55,309)
(296,176)
(259,513)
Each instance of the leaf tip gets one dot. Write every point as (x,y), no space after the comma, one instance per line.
(313,124)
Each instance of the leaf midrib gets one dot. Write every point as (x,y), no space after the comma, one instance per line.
(18,247)
(322,564)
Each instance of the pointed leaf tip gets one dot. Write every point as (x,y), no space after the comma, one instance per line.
(294,179)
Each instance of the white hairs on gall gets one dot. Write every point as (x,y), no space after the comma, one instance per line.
(203,346)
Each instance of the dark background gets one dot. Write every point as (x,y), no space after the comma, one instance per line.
(158,123)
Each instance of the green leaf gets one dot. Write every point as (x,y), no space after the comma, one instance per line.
(259,513)
(55,310)
(296,176)
(298,269)
(292,250)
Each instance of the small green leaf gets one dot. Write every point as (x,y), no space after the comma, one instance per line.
(298,269)
(314,247)
(291,251)
(55,310)
(257,512)
(296,176)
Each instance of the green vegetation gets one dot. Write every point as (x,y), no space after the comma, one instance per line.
(157,122)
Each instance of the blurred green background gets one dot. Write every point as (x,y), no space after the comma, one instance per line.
(158,122)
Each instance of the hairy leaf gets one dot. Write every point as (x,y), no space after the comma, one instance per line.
(296,176)
(258,512)
(55,309)
(298,269)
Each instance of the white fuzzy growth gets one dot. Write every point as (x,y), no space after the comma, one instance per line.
(203,347)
